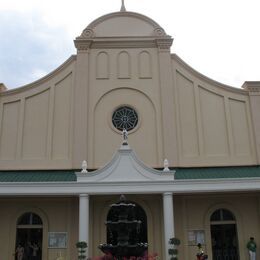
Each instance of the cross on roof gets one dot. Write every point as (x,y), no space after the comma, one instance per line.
(123,6)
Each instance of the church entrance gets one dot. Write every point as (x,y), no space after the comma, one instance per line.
(29,237)
(224,235)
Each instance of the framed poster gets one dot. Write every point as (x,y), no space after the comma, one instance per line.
(57,240)
(195,237)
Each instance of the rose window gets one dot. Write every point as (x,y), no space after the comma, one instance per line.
(125,118)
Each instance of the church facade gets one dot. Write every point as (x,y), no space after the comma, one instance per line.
(125,77)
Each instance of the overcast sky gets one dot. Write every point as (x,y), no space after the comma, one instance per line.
(218,38)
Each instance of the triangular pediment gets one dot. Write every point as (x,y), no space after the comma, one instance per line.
(125,167)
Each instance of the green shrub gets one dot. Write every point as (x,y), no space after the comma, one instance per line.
(81,245)
(174,241)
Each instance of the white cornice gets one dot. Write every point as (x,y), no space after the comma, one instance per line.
(131,187)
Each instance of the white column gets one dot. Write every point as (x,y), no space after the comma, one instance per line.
(84,219)
(168,217)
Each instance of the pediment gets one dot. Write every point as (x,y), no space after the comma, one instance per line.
(125,167)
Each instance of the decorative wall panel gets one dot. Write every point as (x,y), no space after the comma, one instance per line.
(102,66)
(145,65)
(214,123)
(188,118)
(123,65)
(62,119)
(9,130)
(35,126)
(240,127)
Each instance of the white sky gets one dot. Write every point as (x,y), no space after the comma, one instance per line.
(219,38)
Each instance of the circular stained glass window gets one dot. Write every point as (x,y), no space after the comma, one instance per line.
(125,118)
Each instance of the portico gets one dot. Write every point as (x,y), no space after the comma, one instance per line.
(125,170)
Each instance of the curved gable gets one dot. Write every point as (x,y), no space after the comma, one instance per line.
(214,121)
(123,24)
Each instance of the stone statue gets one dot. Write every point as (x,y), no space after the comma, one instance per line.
(125,136)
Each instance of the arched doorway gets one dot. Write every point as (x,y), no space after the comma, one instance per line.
(139,214)
(224,235)
(29,230)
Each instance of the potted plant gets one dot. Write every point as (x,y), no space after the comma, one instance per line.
(173,251)
(81,246)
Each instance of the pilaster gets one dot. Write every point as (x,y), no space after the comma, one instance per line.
(81,86)
(167,100)
(253,88)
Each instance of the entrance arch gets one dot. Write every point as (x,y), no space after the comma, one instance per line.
(223,229)
(29,234)
(139,214)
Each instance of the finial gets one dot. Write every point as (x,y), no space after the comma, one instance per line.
(125,137)
(166,165)
(84,166)
(123,6)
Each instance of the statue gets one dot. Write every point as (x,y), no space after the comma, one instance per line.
(251,246)
(84,166)
(125,136)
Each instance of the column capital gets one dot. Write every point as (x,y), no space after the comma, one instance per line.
(164,44)
(83,195)
(253,87)
(168,193)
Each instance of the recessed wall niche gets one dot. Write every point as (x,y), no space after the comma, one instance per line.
(123,65)
(145,65)
(102,65)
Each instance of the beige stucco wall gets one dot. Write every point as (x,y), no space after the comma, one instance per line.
(65,118)
(214,121)
(106,94)
(36,122)
(193,213)
(57,214)
(61,215)
(190,213)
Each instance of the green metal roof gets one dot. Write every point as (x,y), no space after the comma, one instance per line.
(181,174)
(217,172)
(37,176)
